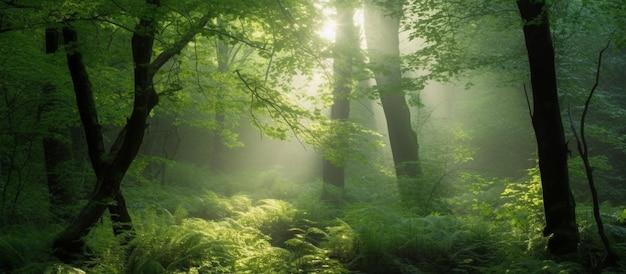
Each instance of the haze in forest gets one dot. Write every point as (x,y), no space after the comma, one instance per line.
(322,136)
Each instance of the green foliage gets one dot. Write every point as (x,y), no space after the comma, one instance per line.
(242,243)
(14,252)
(522,209)
(515,207)
(341,142)
(447,32)
(622,217)
(309,258)
(24,249)
(394,240)
(525,201)
(271,217)
(341,241)
(476,196)
(449,148)
(242,66)
(199,230)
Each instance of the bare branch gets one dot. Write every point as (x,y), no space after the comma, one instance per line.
(611,257)
(588,101)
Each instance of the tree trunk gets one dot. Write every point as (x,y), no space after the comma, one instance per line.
(69,244)
(344,61)
(110,168)
(558,201)
(382,30)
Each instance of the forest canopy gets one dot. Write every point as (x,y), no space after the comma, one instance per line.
(320,136)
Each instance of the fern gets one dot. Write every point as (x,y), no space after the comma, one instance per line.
(24,249)
(341,241)
(271,217)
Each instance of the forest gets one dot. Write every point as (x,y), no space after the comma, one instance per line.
(312,136)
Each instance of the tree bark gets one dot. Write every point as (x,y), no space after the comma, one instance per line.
(345,50)
(558,201)
(382,30)
(111,167)
(69,244)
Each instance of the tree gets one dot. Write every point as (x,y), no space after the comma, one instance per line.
(382,23)
(345,50)
(111,167)
(559,203)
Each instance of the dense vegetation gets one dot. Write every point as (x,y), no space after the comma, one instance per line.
(326,136)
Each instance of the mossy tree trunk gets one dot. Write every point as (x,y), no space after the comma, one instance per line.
(558,201)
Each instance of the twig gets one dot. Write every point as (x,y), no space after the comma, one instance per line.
(274,107)
(530,109)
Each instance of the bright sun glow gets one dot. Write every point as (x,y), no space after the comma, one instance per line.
(328,30)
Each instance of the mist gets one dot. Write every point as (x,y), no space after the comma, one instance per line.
(312,137)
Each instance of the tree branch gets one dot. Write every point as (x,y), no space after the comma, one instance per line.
(165,56)
(588,101)
(611,257)
(283,111)
(84,99)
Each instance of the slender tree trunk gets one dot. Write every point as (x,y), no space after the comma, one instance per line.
(558,201)
(69,244)
(382,30)
(345,51)
(111,167)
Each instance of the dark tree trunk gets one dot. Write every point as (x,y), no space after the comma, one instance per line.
(382,30)
(69,244)
(558,201)
(110,168)
(345,52)
(56,152)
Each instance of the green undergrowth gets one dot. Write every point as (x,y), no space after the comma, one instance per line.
(22,245)
(268,223)
(196,229)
